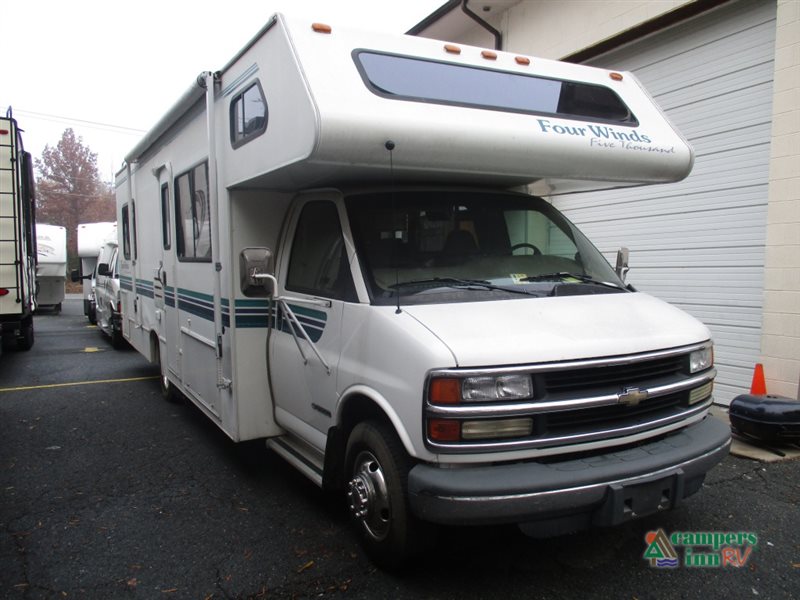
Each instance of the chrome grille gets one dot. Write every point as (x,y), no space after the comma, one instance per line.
(631,374)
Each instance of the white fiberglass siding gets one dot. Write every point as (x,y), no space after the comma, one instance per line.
(699,244)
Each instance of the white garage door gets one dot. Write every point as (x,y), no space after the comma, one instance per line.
(699,244)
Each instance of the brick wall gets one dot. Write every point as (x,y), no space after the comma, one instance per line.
(780,340)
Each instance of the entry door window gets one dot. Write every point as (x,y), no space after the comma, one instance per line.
(193,215)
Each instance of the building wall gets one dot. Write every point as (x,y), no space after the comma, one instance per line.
(557,29)
(553,29)
(780,343)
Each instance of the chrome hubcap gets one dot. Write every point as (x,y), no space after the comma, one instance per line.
(368,497)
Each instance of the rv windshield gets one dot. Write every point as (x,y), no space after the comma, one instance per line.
(451,246)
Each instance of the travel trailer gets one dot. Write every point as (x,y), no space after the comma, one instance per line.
(91,237)
(17,238)
(348,266)
(51,266)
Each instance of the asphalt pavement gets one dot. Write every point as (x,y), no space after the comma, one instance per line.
(108,491)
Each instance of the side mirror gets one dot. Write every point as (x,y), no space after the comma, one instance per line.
(255,272)
(75,275)
(102,269)
(622,267)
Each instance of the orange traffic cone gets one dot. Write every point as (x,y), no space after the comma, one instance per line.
(759,385)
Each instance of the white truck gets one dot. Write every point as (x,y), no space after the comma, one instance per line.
(106,292)
(345,266)
(51,266)
(91,237)
(17,238)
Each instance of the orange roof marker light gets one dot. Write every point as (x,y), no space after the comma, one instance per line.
(452,49)
(489,55)
(321,28)
(615,76)
(522,60)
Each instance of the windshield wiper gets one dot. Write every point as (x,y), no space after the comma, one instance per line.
(558,276)
(471,284)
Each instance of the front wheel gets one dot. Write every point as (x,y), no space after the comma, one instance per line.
(377,475)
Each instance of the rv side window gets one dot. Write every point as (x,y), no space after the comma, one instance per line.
(318,264)
(133,228)
(193,215)
(126,233)
(248,115)
(421,80)
(165,232)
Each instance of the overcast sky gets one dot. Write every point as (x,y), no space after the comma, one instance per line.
(110,69)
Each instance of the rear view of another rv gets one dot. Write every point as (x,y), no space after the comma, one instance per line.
(17,238)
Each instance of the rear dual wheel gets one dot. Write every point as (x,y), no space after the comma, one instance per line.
(168,391)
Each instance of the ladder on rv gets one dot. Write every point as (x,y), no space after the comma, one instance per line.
(11,264)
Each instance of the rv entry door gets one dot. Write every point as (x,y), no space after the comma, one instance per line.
(165,284)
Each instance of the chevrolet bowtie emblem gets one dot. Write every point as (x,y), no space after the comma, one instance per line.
(632,396)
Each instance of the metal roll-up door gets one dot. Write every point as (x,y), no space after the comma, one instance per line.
(699,244)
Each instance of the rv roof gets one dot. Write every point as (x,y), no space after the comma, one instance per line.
(332,98)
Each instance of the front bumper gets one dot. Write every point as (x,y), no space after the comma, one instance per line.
(600,490)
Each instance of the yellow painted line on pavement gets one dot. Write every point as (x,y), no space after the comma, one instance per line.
(90,349)
(75,383)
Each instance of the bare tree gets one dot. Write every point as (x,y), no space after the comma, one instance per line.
(69,188)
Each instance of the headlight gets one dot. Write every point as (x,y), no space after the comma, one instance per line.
(702,359)
(488,388)
(503,387)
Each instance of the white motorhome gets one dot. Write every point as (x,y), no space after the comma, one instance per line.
(17,238)
(105,293)
(91,237)
(51,266)
(344,269)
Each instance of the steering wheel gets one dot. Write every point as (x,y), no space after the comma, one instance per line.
(535,250)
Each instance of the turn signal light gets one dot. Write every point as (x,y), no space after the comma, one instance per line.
(444,430)
(445,390)
(3,292)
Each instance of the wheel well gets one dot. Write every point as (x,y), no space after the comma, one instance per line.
(356,409)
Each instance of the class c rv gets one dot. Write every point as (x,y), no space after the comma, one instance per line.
(91,238)
(17,238)
(51,266)
(332,244)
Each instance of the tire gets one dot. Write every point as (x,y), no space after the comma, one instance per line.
(25,337)
(92,314)
(117,341)
(376,474)
(168,391)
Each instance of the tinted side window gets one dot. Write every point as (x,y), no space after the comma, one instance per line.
(133,229)
(248,115)
(126,232)
(318,263)
(165,229)
(193,215)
